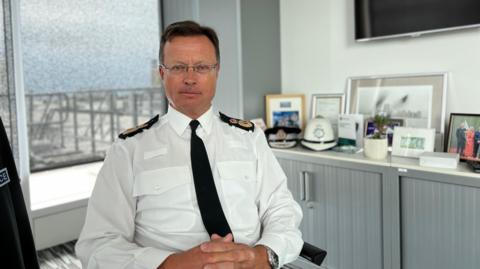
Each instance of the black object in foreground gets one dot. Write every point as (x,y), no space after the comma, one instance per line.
(17,249)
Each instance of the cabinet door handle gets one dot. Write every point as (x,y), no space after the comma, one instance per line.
(301,181)
(308,184)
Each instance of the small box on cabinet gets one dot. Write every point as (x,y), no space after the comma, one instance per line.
(439,159)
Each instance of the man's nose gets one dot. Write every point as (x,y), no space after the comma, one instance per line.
(190,77)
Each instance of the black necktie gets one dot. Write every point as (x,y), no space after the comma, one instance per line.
(210,208)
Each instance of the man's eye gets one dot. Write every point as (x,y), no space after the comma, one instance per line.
(178,68)
(202,68)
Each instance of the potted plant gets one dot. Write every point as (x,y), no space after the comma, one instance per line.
(375,146)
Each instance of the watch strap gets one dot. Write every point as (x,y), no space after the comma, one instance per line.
(272,257)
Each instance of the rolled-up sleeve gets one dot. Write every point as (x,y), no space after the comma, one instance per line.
(280,214)
(107,237)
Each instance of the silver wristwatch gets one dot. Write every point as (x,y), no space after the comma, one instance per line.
(272,258)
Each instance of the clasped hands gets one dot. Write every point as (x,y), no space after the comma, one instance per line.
(219,253)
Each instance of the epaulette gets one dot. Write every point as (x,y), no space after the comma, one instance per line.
(138,129)
(242,124)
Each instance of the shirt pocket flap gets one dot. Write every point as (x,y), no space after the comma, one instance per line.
(158,181)
(154,153)
(232,170)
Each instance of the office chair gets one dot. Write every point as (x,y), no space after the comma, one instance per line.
(311,257)
(17,249)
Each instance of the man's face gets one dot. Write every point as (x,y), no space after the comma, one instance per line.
(190,93)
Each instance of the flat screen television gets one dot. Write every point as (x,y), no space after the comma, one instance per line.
(376,19)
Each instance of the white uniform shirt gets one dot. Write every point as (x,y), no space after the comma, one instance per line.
(144,208)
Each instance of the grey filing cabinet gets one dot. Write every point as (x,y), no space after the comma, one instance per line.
(342,206)
(440,216)
(388,214)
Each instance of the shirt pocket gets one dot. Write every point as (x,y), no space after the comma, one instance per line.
(164,199)
(238,181)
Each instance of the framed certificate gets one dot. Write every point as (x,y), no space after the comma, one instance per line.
(329,106)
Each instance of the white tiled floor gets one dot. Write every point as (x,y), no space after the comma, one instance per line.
(64,185)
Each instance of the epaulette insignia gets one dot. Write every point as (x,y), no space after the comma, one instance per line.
(242,124)
(138,129)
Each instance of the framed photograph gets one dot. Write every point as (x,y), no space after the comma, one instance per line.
(417,99)
(370,128)
(285,110)
(411,142)
(464,136)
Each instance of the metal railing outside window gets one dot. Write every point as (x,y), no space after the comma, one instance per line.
(67,128)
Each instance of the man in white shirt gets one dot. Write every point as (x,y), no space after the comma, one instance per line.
(144,211)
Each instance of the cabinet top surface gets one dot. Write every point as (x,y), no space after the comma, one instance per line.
(391,161)
(331,155)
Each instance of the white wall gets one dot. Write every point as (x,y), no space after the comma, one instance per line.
(319,53)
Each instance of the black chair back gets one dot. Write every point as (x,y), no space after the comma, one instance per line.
(17,248)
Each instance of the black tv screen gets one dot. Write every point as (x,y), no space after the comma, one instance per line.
(388,18)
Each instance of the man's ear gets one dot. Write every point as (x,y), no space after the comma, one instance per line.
(161,71)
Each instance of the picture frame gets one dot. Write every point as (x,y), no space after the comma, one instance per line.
(286,110)
(370,128)
(418,99)
(411,142)
(328,105)
(469,147)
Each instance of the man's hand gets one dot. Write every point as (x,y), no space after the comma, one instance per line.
(193,258)
(227,238)
(230,255)
(219,253)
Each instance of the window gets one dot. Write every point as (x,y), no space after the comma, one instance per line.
(7,96)
(90,72)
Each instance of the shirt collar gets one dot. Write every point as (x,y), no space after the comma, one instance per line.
(180,121)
